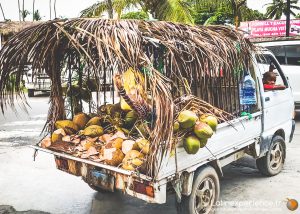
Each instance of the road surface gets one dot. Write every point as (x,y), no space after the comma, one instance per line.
(29,185)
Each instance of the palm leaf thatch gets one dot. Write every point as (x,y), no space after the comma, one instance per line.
(170,55)
(11,27)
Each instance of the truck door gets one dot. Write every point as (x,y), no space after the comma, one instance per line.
(278,105)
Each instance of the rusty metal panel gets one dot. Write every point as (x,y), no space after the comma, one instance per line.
(101,180)
(67,165)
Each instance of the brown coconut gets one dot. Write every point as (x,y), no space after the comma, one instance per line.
(46,142)
(68,126)
(94,121)
(57,135)
(81,120)
(128,145)
(113,156)
(144,145)
(132,160)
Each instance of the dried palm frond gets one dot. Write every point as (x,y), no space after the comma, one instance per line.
(169,55)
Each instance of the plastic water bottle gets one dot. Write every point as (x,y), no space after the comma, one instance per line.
(247,92)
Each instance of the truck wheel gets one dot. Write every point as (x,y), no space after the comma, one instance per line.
(272,163)
(30,93)
(204,195)
(98,189)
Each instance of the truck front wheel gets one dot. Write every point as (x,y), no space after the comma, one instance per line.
(272,163)
(204,195)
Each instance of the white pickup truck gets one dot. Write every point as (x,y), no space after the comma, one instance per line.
(195,178)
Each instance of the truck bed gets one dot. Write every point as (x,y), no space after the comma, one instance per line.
(229,138)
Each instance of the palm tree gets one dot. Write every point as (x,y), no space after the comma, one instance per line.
(33,3)
(279,7)
(23,11)
(37,16)
(50,8)
(170,10)
(236,9)
(110,6)
(19,10)
(2,12)
(54,7)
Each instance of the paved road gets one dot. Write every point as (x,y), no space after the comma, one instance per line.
(28,185)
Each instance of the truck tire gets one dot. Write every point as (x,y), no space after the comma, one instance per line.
(30,93)
(204,195)
(272,163)
(98,189)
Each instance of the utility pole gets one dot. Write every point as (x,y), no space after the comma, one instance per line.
(288,18)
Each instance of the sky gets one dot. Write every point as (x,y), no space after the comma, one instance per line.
(72,8)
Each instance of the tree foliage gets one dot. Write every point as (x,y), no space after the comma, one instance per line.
(169,10)
(221,12)
(277,8)
(37,16)
(136,15)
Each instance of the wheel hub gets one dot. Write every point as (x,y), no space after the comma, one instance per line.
(205,196)
(276,156)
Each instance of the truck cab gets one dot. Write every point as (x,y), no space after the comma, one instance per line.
(288,54)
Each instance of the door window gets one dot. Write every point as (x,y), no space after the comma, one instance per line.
(266,61)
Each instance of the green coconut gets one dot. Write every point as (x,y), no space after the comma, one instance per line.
(191,144)
(176,127)
(187,119)
(202,130)
(210,120)
(203,142)
(142,128)
(130,118)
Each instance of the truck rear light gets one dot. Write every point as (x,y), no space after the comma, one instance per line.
(143,188)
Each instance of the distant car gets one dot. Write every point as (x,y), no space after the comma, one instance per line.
(295,28)
(39,82)
(288,55)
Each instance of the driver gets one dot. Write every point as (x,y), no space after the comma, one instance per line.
(269,80)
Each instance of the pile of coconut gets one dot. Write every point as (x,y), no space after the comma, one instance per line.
(86,138)
(197,129)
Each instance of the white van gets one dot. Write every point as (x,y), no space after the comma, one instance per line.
(288,55)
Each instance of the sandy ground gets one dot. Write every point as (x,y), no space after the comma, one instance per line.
(37,185)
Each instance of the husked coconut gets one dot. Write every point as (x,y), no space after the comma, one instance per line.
(81,120)
(119,134)
(46,142)
(144,145)
(68,126)
(105,138)
(128,145)
(93,131)
(113,156)
(57,135)
(94,121)
(132,160)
